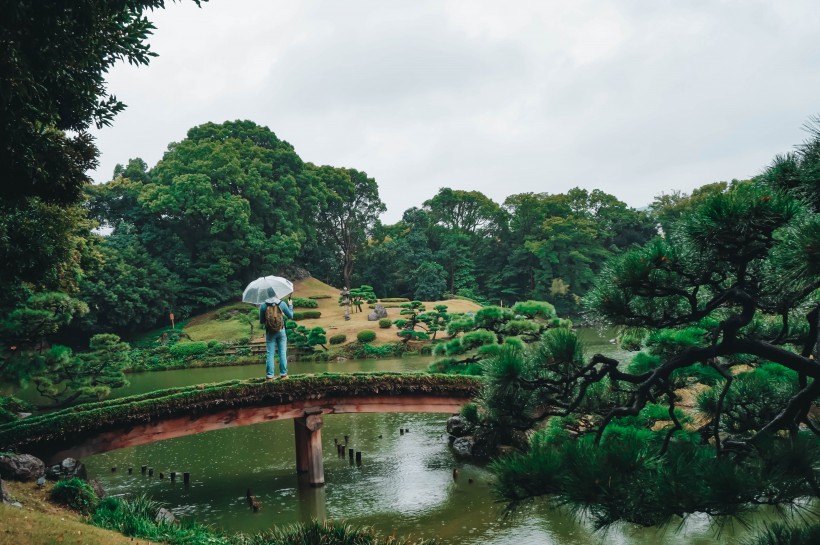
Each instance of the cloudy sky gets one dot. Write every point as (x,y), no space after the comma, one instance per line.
(633,97)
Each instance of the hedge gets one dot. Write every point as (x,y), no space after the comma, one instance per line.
(338,339)
(366,335)
(394,300)
(385,323)
(319,297)
(193,348)
(299,302)
(306,315)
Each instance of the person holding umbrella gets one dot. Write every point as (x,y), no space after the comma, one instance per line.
(268,291)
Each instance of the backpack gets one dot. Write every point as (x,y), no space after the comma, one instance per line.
(274,320)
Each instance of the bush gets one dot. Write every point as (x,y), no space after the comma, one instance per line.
(299,302)
(185,349)
(385,323)
(338,339)
(366,335)
(306,315)
(387,305)
(531,309)
(75,493)
(319,297)
(394,300)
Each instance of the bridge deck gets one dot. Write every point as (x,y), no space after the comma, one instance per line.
(99,427)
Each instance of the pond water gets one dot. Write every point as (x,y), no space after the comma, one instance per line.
(404,485)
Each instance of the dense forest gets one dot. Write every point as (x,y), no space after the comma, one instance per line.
(232,201)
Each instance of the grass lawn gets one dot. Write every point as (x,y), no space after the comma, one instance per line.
(42,523)
(206,326)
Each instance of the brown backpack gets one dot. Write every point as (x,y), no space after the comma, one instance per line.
(274,319)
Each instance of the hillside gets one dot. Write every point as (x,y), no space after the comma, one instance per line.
(209,326)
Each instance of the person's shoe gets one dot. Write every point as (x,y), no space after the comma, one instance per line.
(283,376)
(270,379)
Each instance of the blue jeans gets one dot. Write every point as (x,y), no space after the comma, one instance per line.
(273,342)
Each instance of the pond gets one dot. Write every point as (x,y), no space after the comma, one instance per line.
(404,485)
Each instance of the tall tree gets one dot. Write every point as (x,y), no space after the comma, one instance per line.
(348,210)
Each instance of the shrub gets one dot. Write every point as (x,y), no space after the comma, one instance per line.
(531,309)
(387,305)
(186,349)
(385,323)
(306,315)
(338,339)
(394,300)
(299,302)
(366,335)
(75,493)
(319,297)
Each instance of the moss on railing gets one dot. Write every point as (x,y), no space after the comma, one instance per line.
(62,428)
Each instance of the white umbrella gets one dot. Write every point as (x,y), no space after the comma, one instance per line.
(266,287)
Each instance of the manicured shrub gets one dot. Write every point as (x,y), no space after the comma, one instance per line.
(319,297)
(299,302)
(366,335)
(306,315)
(75,493)
(338,339)
(387,305)
(531,309)
(185,349)
(385,323)
(394,300)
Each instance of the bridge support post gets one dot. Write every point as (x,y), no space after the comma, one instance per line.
(308,436)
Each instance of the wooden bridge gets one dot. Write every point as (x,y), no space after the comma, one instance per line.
(92,428)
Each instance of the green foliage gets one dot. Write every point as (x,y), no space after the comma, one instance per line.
(65,377)
(75,493)
(756,397)
(366,335)
(189,349)
(339,338)
(430,279)
(323,296)
(385,323)
(307,315)
(786,534)
(394,300)
(299,302)
(10,407)
(625,479)
(534,309)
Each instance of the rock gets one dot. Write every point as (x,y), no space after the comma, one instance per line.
(5,497)
(458,426)
(53,473)
(21,467)
(378,313)
(164,515)
(341,359)
(463,446)
(16,504)
(67,469)
(41,482)
(23,415)
(98,488)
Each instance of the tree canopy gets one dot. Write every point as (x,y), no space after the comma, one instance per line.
(728,298)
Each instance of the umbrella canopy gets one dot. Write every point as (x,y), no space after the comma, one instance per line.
(266,287)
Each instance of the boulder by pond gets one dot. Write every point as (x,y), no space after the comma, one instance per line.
(21,467)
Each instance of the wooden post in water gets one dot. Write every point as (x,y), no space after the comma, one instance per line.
(186,478)
(302,438)
(173,476)
(143,469)
(308,437)
(358,457)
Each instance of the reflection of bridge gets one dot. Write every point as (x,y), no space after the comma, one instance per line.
(98,427)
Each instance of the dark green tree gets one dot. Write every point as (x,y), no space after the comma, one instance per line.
(734,282)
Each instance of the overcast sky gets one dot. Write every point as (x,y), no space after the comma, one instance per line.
(632,97)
